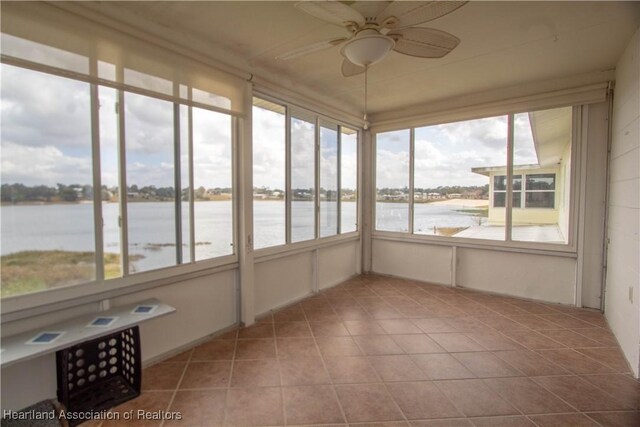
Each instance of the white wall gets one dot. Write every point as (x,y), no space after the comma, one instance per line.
(623,254)
(204,306)
(283,279)
(412,260)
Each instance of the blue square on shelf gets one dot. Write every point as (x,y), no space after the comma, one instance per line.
(144,309)
(45,338)
(102,322)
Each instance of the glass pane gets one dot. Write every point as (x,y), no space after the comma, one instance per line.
(541,182)
(542,152)
(110,182)
(47,229)
(269,207)
(455,164)
(540,199)
(302,179)
(349,181)
(185,191)
(328,181)
(392,181)
(499,198)
(212,180)
(150,183)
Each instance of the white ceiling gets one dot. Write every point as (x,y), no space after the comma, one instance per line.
(503,45)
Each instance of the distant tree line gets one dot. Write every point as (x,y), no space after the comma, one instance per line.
(443,190)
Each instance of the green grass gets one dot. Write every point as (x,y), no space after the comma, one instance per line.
(32,271)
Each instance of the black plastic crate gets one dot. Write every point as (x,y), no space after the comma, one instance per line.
(99,374)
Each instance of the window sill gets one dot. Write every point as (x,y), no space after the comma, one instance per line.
(38,303)
(267,254)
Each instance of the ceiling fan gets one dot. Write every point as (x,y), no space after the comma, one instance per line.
(378,27)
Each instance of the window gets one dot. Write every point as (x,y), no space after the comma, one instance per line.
(460,178)
(269,159)
(392,181)
(47,211)
(303,168)
(328,180)
(348,180)
(304,183)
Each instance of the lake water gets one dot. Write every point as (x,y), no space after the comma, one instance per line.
(152,226)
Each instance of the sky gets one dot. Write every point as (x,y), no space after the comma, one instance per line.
(46,139)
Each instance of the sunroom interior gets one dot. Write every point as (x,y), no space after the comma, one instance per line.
(481,209)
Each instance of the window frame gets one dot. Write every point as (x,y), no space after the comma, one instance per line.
(578,142)
(101,288)
(289,246)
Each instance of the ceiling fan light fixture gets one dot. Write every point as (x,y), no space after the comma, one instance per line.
(367,48)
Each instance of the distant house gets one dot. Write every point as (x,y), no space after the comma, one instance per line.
(539,196)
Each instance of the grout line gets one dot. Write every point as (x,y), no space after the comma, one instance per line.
(228,396)
(175,391)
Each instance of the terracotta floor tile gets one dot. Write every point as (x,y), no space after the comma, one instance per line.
(292,330)
(513,421)
(604,337)
(530,363)
(352,313)
(289,315)
(258,330)
(415,344)
(580,394)
(494,341)
(149,401)
(502,323)
(363,327)
(350,370)
(229,335)
(206,375)
(328,329)
(367,402)
(534,322)
(296,347)
(450,422)
(570,338)
(311,405)
(414,312)
(377,345)
(575,362)
(303,371)
(616,419)
(441,366)
(467,324)
(255,373)
(486,365)
(255,349)
(254,406)
(214,350)
(162,376)
(181,357)
(566,321)
(434,325)
(532,339)
(621,387)
(265,318)
(384,313)
(563,420)
(396,368)
(527,396)
(474,398)
(612,357)
(338,346)
(321,315)
(399,326)
(201,408)
(456,342)
(419,400)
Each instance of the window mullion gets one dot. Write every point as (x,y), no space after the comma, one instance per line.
(509,195)
(411,177)
(98,221)
(177,169)
(287,179)
(192,215)
(122,169)
(339,183)
(317,177)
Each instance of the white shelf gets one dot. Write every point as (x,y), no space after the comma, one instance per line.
(17,348)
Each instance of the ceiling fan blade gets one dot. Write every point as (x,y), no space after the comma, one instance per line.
(350,69)
(423,42)
(402,14)
(311,48)
(333,12)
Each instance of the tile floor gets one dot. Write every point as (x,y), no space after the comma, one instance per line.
(389,352)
